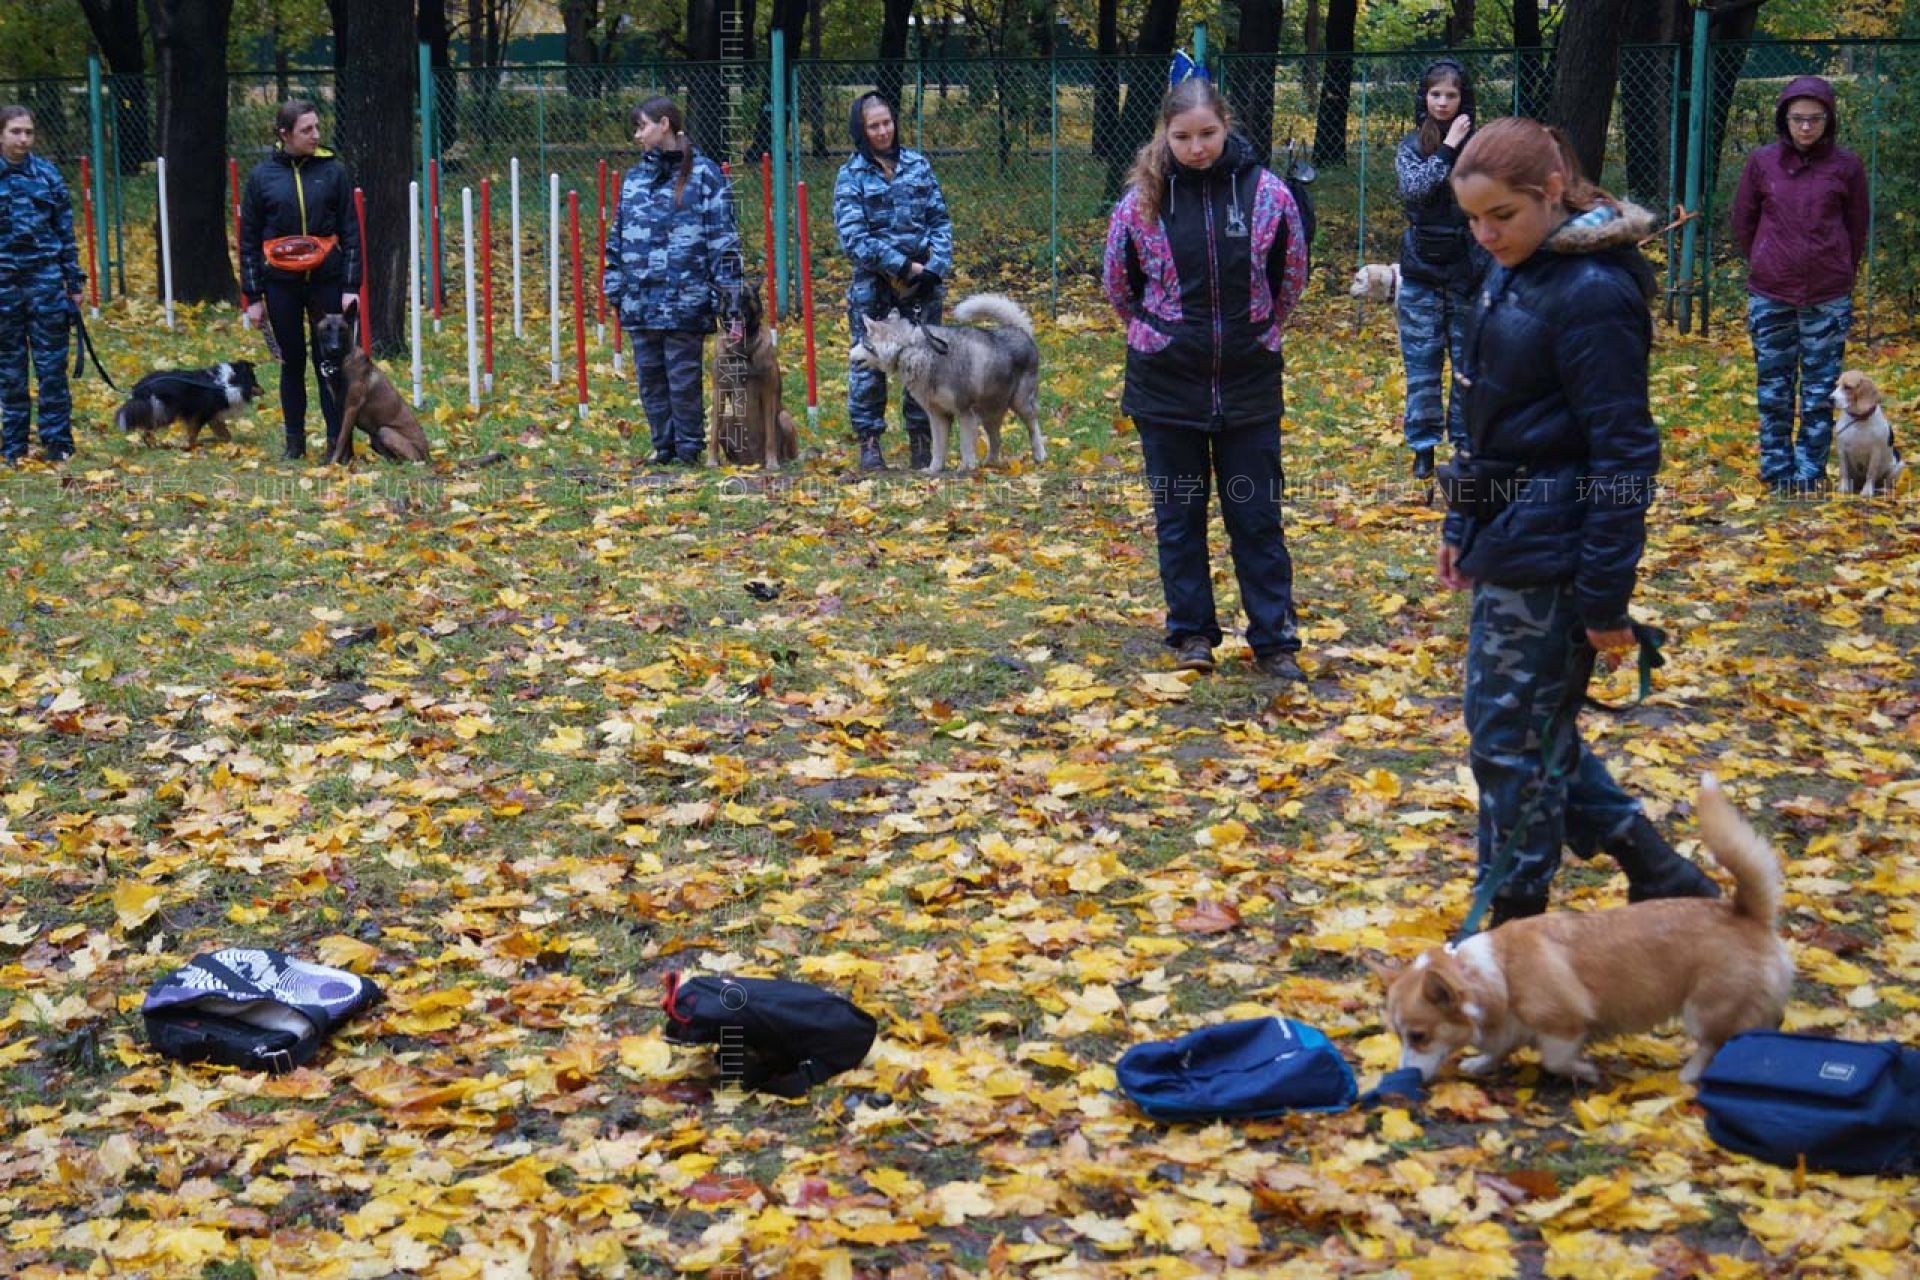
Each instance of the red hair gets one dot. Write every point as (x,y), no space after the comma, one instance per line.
(1522,154)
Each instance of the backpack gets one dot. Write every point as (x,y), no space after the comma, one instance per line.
(1841,1105)
(1298,174)
(251,1007)
(1259,1067)
(771,1036)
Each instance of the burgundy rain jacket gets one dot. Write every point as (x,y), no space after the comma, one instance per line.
(1800,217)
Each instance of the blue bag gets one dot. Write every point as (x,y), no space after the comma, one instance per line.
(1260,1067)
(1845,1106)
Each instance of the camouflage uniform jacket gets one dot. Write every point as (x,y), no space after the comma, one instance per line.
(884,225)
(665,259)
(36,225)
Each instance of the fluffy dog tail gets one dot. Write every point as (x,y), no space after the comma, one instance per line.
(1742,851)
(997,309)
(135,415)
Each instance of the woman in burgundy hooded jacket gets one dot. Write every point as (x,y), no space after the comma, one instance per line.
(1800,219)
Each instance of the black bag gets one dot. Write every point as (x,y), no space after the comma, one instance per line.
(250,1007)
(1480,488)
(770,1035)
(1298,175)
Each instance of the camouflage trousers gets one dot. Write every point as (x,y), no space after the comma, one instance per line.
(1797,348)
(1433,329)
(871,297)
(1528,665)
(34,319)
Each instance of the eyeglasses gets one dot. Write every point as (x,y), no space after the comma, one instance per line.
(1807,121)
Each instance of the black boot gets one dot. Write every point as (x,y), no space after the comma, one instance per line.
(1423,463)
(296,448)
(1515,906)
(1653,869)
(870,456)
(920,446)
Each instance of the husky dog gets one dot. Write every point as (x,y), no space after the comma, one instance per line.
(201,399)
(972,375)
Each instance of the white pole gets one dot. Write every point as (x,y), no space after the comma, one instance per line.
(413,279)
(473,332)
(519,330)
(166,242)
(553,267)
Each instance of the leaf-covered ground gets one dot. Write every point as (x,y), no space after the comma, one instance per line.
(517,739)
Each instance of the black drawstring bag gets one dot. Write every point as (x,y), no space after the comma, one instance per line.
(769,1035)
(250,1007)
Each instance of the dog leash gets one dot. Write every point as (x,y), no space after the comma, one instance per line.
(84,350)
(1560,723)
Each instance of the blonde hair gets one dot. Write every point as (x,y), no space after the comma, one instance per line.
(1523,154)
(1154,160)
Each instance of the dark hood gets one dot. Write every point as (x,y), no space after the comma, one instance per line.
(856,125)
(1807,87)
(1420,95)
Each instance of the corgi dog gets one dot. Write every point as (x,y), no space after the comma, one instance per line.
(1560,980)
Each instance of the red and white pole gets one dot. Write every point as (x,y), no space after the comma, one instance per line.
(486,277)
(600,240)
(93,255)
(366,325)
(579,302)
(233,187)
(806,309)
(771,309)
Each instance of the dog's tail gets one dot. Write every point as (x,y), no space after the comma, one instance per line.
(134,415)
(1742,851)
(997,309)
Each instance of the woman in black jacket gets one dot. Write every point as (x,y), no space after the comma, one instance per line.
(1563,452)
(299,256)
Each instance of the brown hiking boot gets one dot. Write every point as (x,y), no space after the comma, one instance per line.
(1193,654)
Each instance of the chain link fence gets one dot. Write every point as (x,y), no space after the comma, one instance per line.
(1031,153)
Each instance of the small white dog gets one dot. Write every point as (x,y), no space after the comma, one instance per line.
(1376,282)
(1863,438)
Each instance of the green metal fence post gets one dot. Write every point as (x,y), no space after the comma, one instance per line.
(1360,250)
(780,210)
(119,204)
(1673,174)
(1873,178)
(1053,178)
(920,87)
(426,165)
(96,132)
(1696,145)
(1200,44)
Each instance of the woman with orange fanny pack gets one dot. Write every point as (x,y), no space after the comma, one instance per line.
(299,257)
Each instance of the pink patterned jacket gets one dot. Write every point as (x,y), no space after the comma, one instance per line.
(1206,290)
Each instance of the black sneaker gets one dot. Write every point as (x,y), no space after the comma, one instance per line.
(293,453)
(662,457)
(1193,654)
(1423,463)
(1281,666)
(871,459)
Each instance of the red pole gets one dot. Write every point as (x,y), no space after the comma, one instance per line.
(366,325)
(806,294)
(579,306)
(486,274)
(772,299)
(233,186)
(600,238)
(433,178)
(86,213)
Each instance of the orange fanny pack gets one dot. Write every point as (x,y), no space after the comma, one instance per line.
(298,253)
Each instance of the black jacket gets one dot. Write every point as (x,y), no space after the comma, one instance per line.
(1436,249)
(1214,373)
(287,197)
(1557,382)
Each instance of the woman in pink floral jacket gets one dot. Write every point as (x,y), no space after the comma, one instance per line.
(1205,259)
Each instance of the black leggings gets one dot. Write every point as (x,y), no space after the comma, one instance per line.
(292,307)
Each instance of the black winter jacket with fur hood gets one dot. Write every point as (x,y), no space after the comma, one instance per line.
(1557,381)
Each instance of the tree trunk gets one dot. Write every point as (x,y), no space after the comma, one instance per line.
(1252,93)
(1531,69)
(1146,85)
(1336,84)
(578,18)
(190,54)
(706,106)
(1106,87)
(816,93)
(116,29)
(1459,28)
(433,32)
(894,26)
(375,137)
(1586,71)
(1646,110)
